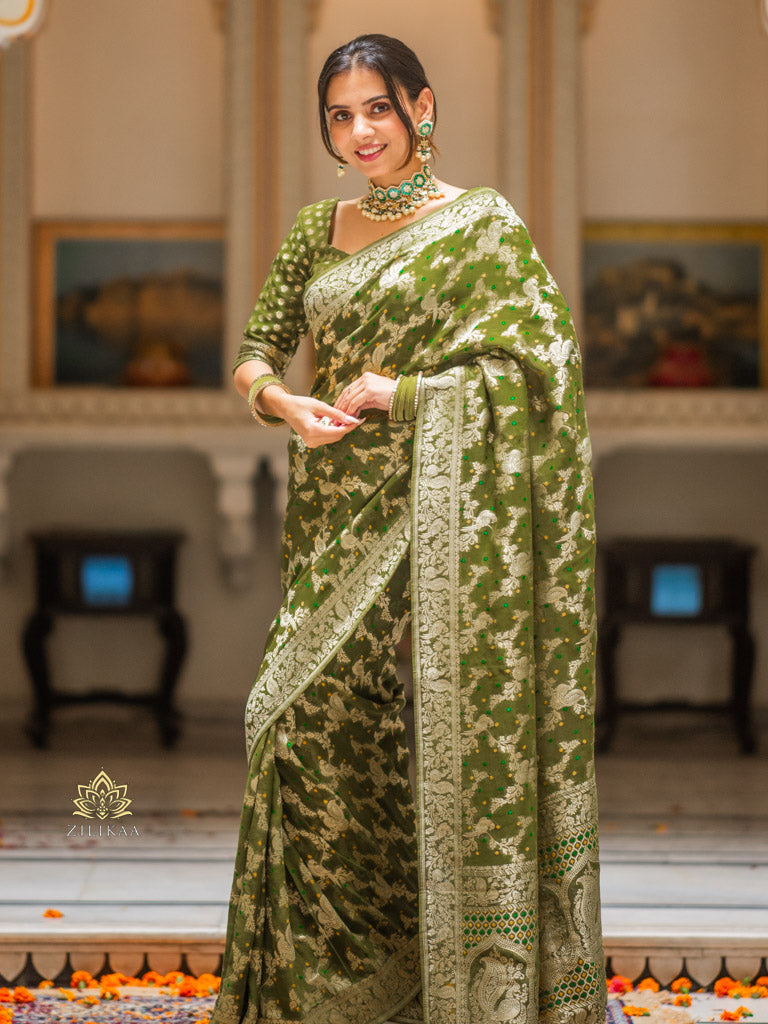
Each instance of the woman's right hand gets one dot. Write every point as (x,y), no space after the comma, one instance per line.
(314,421)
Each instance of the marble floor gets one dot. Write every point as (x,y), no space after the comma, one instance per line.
(684,844)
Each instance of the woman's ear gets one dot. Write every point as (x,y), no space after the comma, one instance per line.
(425,104)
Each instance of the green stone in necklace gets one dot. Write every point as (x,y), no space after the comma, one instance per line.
(396,201)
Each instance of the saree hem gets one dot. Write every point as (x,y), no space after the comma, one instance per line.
(359,1003)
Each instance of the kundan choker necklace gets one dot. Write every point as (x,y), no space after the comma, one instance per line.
(396,201)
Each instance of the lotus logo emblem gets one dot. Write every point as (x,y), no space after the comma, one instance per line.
(101,798)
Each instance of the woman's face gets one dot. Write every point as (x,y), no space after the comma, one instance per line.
(365,128)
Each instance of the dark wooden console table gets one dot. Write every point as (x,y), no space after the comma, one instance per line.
(96,573)
(682,582)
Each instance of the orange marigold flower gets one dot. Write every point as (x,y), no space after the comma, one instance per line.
(109,992)
(683,999)
(153,978)
(762,980)
(83,979)
(737,1014)
(760,991)
(111,980)
(637,1011)
(723,987)
(6,996)
(22,995)
(50,912)
(650,984)
(6,1015)
(208,983)
(682,984)
(620,984)
(90,1000)
(188,987)
(67,993)
(46,983)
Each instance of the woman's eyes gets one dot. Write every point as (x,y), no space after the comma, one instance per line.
(377,108)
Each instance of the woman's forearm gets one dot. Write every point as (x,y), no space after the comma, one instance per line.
(272,399)
(246,374)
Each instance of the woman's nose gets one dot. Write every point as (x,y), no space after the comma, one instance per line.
(361,127)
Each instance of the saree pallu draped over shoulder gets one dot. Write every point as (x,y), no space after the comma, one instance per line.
(476,520)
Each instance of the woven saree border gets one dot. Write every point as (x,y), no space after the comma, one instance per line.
(290,668)
(333,287)
(435,542)
(366,998)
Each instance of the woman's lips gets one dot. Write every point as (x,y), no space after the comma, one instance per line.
(366,156)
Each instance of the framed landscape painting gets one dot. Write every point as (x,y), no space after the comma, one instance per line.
(128,304)
(675,305)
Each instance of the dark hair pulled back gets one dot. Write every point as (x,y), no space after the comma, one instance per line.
(397,64)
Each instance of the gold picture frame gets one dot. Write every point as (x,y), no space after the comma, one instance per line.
(125,304)
(681,304)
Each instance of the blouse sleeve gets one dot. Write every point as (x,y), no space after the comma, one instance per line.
(278,323)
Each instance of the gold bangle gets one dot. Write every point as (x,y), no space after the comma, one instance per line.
(257,386)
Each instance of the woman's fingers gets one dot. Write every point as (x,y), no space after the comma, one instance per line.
(327,433)
(369,391)
(329,412)
(325,425)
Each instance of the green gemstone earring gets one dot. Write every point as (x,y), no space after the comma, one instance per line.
(423,148)
(341,170)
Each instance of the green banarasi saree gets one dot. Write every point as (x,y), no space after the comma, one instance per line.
(477,899)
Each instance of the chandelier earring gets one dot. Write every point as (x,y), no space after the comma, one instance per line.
(341,170)
(423,149)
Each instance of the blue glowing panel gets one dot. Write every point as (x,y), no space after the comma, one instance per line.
(106,580)
(677,590)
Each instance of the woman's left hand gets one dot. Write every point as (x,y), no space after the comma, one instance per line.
(369,391)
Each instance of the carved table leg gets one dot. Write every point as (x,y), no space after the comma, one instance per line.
(606,723)
(743,669)
(171,625)
(38,626)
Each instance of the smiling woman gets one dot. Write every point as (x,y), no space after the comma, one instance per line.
(440,478)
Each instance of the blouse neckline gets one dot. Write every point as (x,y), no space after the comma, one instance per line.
(403,227)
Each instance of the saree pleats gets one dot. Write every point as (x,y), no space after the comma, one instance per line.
(346,904)
(324,910)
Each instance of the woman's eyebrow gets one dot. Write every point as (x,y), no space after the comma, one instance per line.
(342,106)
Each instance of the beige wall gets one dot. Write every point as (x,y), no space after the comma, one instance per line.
(128,110)
(674,104)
